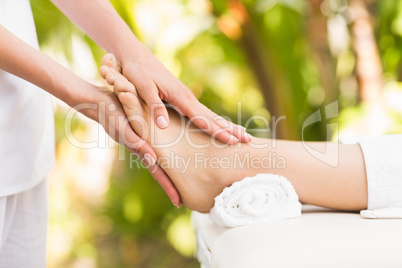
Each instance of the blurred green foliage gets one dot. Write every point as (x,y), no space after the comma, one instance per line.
(269,57)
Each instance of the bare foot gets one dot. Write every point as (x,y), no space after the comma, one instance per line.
(191,158)
(201,167)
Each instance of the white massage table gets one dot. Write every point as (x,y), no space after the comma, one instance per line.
(319,238)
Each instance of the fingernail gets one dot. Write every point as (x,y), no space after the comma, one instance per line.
(148,157)
(233,138)
(161,122)
(176,205)
(248,136)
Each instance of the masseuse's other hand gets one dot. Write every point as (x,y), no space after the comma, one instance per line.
(111,116)
(155,83)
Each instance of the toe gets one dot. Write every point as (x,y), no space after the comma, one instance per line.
(133,109)
(130,103)
(104,70)
(121,84)
(111,78)
(110,61)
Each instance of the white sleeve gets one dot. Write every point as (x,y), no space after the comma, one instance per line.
(383,161)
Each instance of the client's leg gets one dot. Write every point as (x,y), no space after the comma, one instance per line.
(201,167)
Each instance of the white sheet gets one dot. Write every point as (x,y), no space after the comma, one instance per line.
(320,238)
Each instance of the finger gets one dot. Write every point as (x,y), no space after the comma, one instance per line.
(136,145)
(210,127)
(145,152)
(206,123)
(202,117)
(167,185)
(238,131)
(141,148)
(149,94)
(110,61)
(131,105)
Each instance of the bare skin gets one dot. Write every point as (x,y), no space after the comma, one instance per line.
(154,83)
(207,166)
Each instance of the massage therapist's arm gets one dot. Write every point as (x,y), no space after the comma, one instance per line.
(20,59)
(152,80)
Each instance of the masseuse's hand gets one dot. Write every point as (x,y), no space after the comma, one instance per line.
(96,103)
(152,80)
(111,116)
(155,83)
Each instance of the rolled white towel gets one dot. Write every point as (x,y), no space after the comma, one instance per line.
(382,213)
(262,198)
